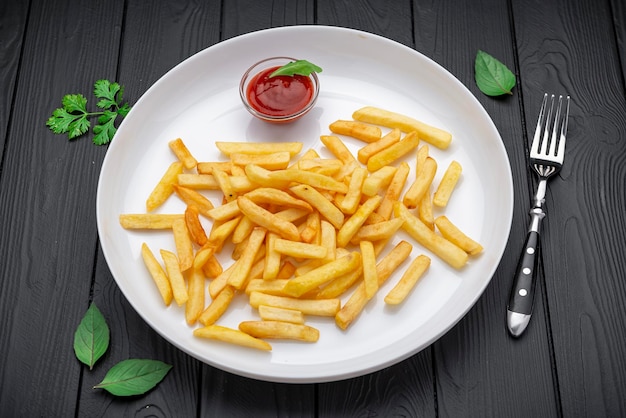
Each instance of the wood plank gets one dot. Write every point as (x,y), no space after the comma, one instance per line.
(584,278)
(12,29)
(157,36)
(474,359)
(47,192)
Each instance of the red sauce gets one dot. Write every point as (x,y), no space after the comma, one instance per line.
(280,95)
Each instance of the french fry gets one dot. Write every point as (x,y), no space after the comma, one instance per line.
(195,289)
(286,271)
(365,153)
(338,148)
(221,281)
(272,257)
(352,198)
(183,244)
(421,184)
(280,330)
(244,264)
(164,187)
(328,238)
(394,191)
(300,285)
(148,220)
(223,180)
(193,198)
(261,176)
(198,181)
(352,225)
(447,184)
(314,307)
(217,307)
(378,231)
(277,197)
(385,267)
(378,180)
(182,153)
(220,231)
(177,281)
(274,161)
(370,276)
(243,230)
(393,152)
(268,220)
(326,167)
(208,167)
(225,212)
(355,129)
(319,181)
(299,249)
(438,245)
(228,148)
(270,287)
(212,268)
(453,234)
(408,280)
(194,226)
(425,210)
(326,208)
(310,231)
(340,285)
(271,313)
(231,336)
(203,255)
(435,136)
(157,273)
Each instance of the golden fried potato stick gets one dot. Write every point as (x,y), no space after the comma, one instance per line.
(421,184)
(280,330)
(370,276)
(393,152)
(277,197)
(447,184)
(198,181)
(378,231)
(217,307)
(165,186)
(182,153)
(208,167)
(256,148)
(193,198)
(299,249)
(267,219)
(175,276)
(326,208)
(438,245)
(315,307)
(319,181)
(378,180)
(272,257)
(435,136)
(385,267)
(352,198)
(271,313)
(194,226)
(270,287)
(425,210)
(158,274)
(223,180)
(340,285)
(232,336)
(148,220)
(453,234)
(365,153)
(241,272)
(355,129)
(338,148)
(408,280)
(275,161)
(183,244)
(195,303)
(300,285)
(352,225)
(261,176)
(394,191)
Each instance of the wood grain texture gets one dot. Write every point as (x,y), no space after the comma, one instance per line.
(586,310)
(48,224)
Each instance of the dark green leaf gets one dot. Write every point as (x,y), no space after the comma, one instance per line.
(493,77)
(78,126)
(60,120)
(299,67)
(105,129)
(133,377)
(123,110)
(91,338)
(75,103)
(104,89)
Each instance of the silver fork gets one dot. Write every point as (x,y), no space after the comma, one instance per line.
(546,158)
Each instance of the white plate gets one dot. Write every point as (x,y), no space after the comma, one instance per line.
(198,101)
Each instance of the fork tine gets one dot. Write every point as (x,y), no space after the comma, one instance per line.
(537,137)
(555,129)
(561,151)
(546,131)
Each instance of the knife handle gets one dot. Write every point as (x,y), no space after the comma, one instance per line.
(520,306)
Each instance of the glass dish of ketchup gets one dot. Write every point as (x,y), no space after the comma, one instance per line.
(278,99)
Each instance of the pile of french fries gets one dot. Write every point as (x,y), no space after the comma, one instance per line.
(306,232)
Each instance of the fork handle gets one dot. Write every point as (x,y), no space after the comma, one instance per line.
(520,306)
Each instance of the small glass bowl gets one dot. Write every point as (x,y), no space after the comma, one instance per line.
(265,64)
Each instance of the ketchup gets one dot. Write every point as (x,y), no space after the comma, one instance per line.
(280,95)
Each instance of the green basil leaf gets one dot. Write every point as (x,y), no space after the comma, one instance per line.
(299,67)
(493,77)
(133,377)
(91,338)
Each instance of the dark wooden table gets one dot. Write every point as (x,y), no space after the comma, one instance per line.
(571,361)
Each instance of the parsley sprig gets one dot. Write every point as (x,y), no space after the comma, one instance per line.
(74,119)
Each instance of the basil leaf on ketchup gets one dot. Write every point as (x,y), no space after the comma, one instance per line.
(299,67)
